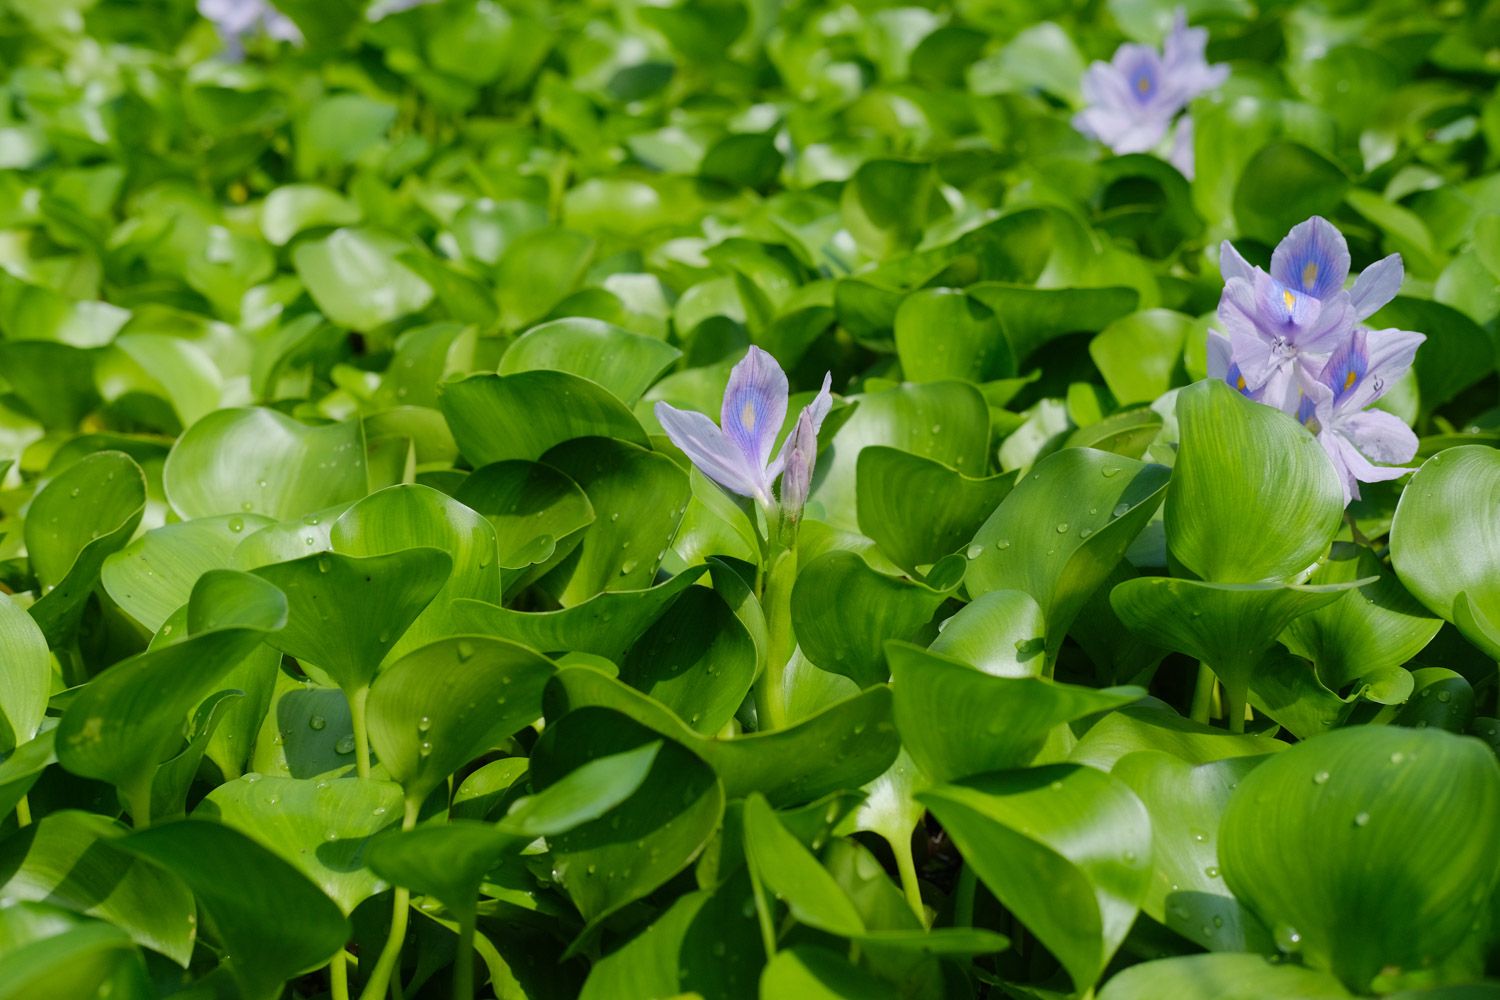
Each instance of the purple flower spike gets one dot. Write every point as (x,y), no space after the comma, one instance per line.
(238,19)
(1277,333)
(737,453)
(1133,98)
(1313,259)
(801,453)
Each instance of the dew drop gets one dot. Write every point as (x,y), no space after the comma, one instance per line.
(330,836)
(615,516)
(1218,920)
(1397,757)
(1321,777)
(1445,696)
(1003,543)
(1198,835)
(465,651)
(1361,819)
(1211,871)
(317,722)
(236,524)
(1085,532)
(1121,509)
(1287,938)
(1110,471)
(1129,857)
(975,551)
(425,749)
(1062,527)
(345,744)
(247,506)
(425,724)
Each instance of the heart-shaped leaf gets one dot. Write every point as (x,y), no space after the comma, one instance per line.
(1221,977)
(1002,633)
(625,363)
(26,681)
(154,575)
(533,508)
(696,659)
(500,417)
(918,510)
(941,333)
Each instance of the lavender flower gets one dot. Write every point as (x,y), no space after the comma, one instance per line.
(801,450)
(1295,342)
(737,453)
(236,20)
(1133,98)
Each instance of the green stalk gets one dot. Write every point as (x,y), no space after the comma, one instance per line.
(907,866)
(1203,693)
(1234,705)
(390,955)
(770,690)
(463,971)
(338,975)
(361,731)
(23,813)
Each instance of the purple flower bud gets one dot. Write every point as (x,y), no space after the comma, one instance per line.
(801,455)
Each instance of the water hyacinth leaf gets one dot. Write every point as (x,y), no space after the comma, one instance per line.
(1001,633)
(1286,688)
(638,498)
(154,575)
(1187,890)
(174,777)
(259,461)
(442,705)
(303,729)
(129,719)
(1128,433)
(1152,725)
(947,422)
(1283,184)
(887,203)
(1033,317)
(846,744)
(537,271)
(697,659)
(606,625)
(80,518)
(582,796)
(500,417)
(447,861)
(1439,698)
(322,827)
(273,921)
(820,974)
(26,681)
(784,867)
(1449,363)
(22,767)
(1344,802)
(1375,627)
(1443,544)
(528,504)
(488,787)
(602,865)
(941,333)
(1062,530)
(295,208)
(1138,354)
(957,721)
(1225,976)
(1229,626)
(1227,526)
(356,280)
(843,611)
(1065,848)
(400,518)
(625,363)
(918,510)
(344,612)
(73,859)
(77,962)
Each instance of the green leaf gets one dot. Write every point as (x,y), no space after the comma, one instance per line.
(1061,531)
(406,517)
(1284,184)
(1187,891)
(295,208)
(918,510)
(582,796)
(843,611)
(1065,848)
(812,973)
(781,864)
(442,705)
(1149,726)
(321,826)
(258,461)
(958,721)
(77,962)
(345,612)
(1221,977)
(130,718)
(154,575)
(500,417)
(537,271)
(697,659)
(447,861)
(1033,317)
(355,279)
(625,363)
(947,422)
(1001,633)
(606,625)
(1325,830)
(1441,550)
(1230,526)
(26,681)
(535,510)
(1139,354)
(274,922)
(941,333)
(73,859)
(1451,362)
(75,522)
(603,865)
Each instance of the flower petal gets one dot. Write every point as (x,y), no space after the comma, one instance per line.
(1313,259)
(1182,156)
(1377,285)
(815,412)
(1390,354)
(1381,436)
(1220,356)
(755,408)
(800,460)
(715,455)
(1232,265)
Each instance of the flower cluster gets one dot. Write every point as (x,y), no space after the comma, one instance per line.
(1297,341)
(1133,99)
(237,20)
(736,453)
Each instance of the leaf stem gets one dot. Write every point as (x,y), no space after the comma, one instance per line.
(770,690)
(23,813)
(907,866)
(963,905)
(361,731)
(338,975)
(463,971)
(1203,693)
(390,955)
(1234,706)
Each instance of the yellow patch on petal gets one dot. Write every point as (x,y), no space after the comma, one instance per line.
(1310,274)
(1240,384)
(1143,84)
(747,415)
(1350,379)
(1291,299)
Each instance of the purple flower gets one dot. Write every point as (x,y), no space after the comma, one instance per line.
(238,19)
(1133,98)
(1313,260)
(1356,375)
(801,451)
(737,453)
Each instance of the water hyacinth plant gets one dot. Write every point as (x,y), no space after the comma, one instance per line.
(700,499)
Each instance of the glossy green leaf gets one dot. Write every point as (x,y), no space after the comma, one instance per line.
(500,417)
(918,510)
(82,961)
(1139,354)
(625,363)
(26,681)
(1221,977)
(941,333)
(790,873)
(1002,633)
(1225,524)
(1154,726)
(1349,804)
(535,510)
(1066,848)
(1283,184)
(354,277)
(697,659)
(154,575)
